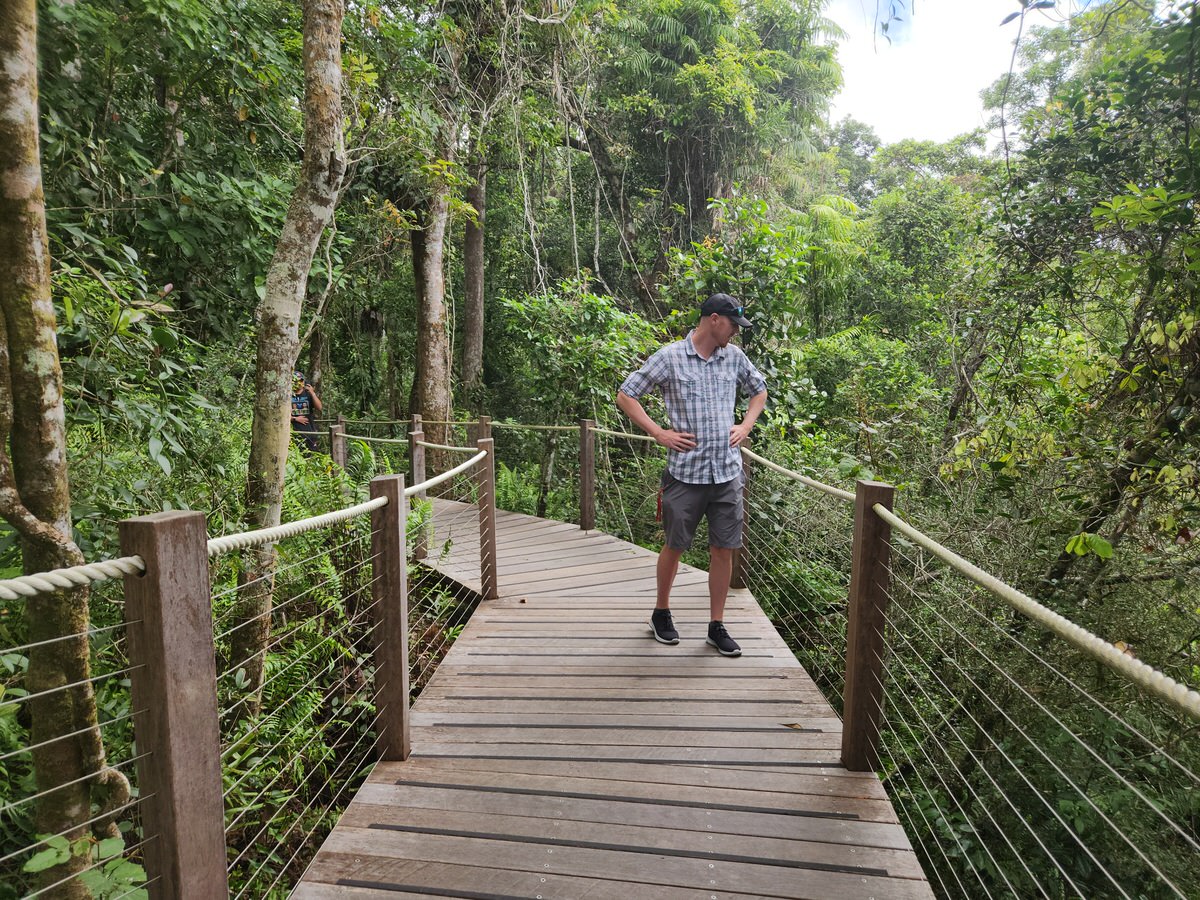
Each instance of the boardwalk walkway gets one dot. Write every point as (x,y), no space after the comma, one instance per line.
(560,752)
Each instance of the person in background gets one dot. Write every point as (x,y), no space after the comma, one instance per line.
(699,378)
(305,407)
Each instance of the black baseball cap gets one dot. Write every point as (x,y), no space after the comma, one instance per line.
(724,305)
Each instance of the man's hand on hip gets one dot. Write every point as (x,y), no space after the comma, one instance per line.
(739,434)
(679,441)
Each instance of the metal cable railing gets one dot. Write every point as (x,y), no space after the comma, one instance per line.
(1088,799)
(295,736)
(1020,765)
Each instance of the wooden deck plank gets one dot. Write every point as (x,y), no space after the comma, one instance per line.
(640,865)
(559,751)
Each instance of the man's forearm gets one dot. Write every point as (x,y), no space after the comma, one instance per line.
(637,414)
(756,405)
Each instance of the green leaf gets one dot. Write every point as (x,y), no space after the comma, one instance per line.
(1099,546)
(110,847)
(52,856)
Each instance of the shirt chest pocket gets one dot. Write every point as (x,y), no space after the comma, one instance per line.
(690,388)
(724,386)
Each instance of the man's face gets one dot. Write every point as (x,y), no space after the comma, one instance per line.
(297,385)
(725,329)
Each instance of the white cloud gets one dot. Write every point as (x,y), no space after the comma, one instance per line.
(926,83)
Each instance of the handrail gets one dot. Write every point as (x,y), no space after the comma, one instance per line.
(624,434)
(445,476)
(1144,676)
(80,576)
(803,479)
(69,577)
(449,447)
(375,440)
(520,427)
(225,543)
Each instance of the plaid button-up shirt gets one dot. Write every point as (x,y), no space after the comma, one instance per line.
(700,395)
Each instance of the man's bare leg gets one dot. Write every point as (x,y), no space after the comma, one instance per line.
(668,568)
(720,569)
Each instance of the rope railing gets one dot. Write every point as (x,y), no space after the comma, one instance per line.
(246,539)
(798,546)
(314,663)
(747,453)
(1088,800)
(430,483)
(448,447)
(268,806)
(1145,677)
(80,576)
(517,426)
(375,440)
(629,436)
(70,577)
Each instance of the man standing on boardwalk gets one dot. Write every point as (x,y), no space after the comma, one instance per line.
(699,378)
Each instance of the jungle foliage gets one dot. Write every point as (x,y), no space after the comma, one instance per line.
(1010,334)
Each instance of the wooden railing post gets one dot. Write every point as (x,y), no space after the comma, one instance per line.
(479,429)
(870,585)
(416,467)
(389,591)
(173,687)
(337,445)
(739,578)
(489,576)
(587,475)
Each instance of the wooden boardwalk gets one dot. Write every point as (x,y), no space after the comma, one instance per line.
(559,751)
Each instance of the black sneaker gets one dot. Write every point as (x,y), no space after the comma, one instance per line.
(663,627)
(718,637)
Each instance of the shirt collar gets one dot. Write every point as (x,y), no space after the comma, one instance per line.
(690,348)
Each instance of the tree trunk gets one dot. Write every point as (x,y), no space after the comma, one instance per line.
(473,282)
(433,338)
(316,359)
(310,211)
(68,755)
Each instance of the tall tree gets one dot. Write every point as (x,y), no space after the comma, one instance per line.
(697,95)
(311,210)
(68,755)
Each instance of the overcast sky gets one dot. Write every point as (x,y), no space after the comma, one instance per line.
(926,83)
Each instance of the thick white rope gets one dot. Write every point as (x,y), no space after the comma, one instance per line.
(1146,677)
(449,447)
(375,440)
(219,545)
(445,476)
(80,576)
(796,476)
(625,434)
(520,427)
(72,577)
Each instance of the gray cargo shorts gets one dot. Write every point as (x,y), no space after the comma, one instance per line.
(683,504)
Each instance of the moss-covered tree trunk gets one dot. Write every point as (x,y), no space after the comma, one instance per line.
(434,398)
(310,211)
(473,280)
(68,756)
